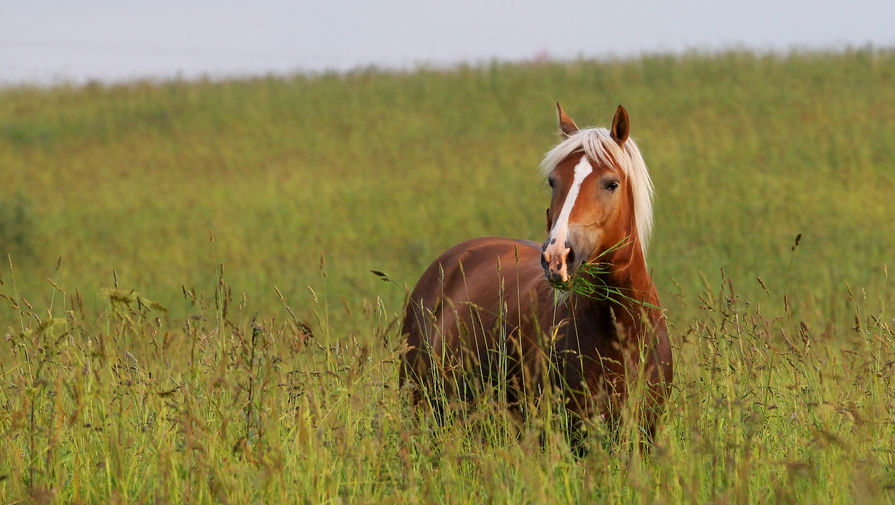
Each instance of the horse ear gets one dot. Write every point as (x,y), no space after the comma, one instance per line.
(620,126)
(566,126)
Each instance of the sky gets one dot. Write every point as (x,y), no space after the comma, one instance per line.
(53,41)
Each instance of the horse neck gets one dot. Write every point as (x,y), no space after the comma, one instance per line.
(633,301)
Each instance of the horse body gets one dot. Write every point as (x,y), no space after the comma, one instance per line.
(488,306)
(462,304)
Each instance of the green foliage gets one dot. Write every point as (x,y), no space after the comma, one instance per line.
(197,322)
(18,226)
(128,406)
(384,171)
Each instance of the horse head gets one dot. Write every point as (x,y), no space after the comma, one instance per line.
(600,207)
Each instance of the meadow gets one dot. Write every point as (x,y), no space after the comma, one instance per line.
(189,314)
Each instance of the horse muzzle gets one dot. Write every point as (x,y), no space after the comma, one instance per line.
(559,261)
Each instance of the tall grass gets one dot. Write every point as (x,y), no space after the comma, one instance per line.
(130,405)
(188,314)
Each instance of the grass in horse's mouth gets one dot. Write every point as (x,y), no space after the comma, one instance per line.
(580,283)
(586,281)
(589,281)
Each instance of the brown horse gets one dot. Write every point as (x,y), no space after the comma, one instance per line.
(580,309)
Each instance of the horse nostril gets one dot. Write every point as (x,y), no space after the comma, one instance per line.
(544,260)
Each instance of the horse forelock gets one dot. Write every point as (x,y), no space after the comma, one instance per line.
(599,146)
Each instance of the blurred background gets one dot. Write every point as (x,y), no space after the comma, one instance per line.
(295,147)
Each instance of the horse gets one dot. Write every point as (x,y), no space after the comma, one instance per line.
(579,310)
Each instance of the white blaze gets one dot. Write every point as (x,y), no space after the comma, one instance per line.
(561,228)
(556,252)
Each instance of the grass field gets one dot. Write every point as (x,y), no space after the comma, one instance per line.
(189,315)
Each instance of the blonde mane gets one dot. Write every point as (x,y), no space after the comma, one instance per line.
(599,146)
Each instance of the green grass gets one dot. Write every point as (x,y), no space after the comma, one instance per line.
(189,316)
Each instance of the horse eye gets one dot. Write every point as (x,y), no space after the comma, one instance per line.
(611,185)
(550,182)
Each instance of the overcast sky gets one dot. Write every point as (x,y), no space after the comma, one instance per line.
(48,41)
